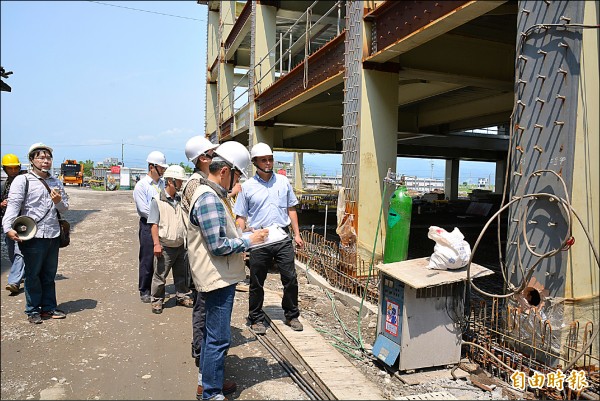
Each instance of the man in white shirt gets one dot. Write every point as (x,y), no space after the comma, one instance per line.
(146,189)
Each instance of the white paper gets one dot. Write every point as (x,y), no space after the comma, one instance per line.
(276,234)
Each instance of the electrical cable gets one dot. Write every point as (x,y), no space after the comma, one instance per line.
(360,346)
(146,11)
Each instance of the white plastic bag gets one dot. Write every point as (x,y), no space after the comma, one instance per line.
(451,251)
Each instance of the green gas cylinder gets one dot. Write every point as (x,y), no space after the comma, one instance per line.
(398,226)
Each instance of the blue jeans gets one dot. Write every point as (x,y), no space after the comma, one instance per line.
(41,263)
(16,258)
(217,337)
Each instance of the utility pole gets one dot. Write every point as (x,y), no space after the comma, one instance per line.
(122,151)
(431,180)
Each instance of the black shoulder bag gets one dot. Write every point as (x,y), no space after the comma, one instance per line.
(65,227)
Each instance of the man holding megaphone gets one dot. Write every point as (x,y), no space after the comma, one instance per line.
(31,219)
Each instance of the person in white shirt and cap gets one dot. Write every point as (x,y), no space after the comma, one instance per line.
(147,188)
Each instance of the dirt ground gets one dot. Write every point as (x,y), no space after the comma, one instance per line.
(112,347)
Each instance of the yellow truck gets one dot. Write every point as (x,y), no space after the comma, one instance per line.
(71,172)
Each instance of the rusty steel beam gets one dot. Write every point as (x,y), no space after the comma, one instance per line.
(274,3)
(226,129)
(239,24)
(394,20)
(325,63)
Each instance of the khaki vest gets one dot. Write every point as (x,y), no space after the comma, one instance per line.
(171,230)
(186,201)
(211,272)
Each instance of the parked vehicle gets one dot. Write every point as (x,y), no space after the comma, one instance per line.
(71,172)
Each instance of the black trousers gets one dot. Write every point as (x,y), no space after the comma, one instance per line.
(198,318)
(146,257)
(282,253)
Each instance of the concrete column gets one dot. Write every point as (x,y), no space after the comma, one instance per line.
(213,41)
(226,82)
(213,45)
(211,107)
(377,144)
(583,273)
(500,173)
(298,171)
(264,44)
(451,179)
(227,17)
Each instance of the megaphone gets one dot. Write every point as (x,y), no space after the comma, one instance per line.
(25,226)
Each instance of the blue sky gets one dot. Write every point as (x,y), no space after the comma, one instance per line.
(92,79)
(89,77)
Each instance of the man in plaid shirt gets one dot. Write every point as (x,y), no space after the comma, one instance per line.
(215,248)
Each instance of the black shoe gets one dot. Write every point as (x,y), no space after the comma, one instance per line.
(157,307)
(35,318)
(13,288)
(55,314)
(295,324)
(258,328)
(146,299)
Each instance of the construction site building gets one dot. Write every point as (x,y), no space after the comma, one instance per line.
(378,80)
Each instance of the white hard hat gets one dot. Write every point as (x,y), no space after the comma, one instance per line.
(175,171)
(156,157)
(196,146)
(38,146)
(235,154)
(260,149)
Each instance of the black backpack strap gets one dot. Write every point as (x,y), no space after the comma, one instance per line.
(49,191)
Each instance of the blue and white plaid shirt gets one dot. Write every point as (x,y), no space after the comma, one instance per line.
(210,216)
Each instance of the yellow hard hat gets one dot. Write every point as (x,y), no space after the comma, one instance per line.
(10,160)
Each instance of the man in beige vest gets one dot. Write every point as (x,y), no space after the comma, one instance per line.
(168,232)
(215,247)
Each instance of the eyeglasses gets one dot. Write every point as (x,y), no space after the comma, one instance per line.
(43,158)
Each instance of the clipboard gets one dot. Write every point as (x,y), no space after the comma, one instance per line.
(276,234)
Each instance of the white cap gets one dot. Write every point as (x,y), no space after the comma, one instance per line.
(260,149)
(235,154)
(157,157)
(196,146)
(175,171)
(38,146)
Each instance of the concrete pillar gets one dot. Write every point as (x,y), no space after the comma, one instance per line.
(298,171)
(451,179)
(264,44)
(226,96)
(213,45)
(227,17)
(213,41)
(211,107)
(583,273)
(500,173)
(377,144)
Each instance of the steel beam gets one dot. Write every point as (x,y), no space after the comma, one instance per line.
(401,26)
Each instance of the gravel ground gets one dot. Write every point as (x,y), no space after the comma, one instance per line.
(316,307)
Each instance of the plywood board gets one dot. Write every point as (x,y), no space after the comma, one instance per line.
(414,272)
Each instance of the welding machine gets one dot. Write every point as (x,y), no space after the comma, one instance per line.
(421,314)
